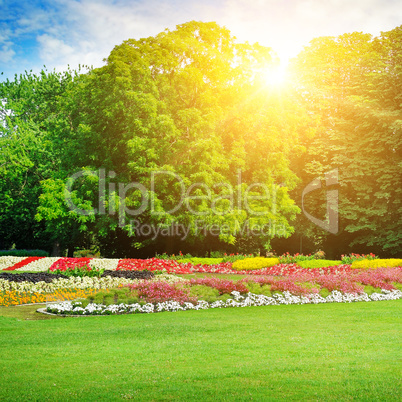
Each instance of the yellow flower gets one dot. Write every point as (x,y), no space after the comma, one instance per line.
(378,263)
(254,263)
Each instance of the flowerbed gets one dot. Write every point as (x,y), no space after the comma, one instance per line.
(39,265)
(201,293)
(237,300)
(23,263)
(51,277)
(155,264)
(376,263)
(43,264)
(63,264)
(8,262)
(76,282)
(15,298)
(159,292)
(319,263)
(221,285)
(68,283)
(254,263)
(166,292)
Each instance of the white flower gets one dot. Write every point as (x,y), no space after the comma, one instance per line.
(169,278)
(109,264)
(217,304)
(65,283)
(250,300)
(9,261)
(41,265)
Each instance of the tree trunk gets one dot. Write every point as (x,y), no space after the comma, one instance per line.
(56,249)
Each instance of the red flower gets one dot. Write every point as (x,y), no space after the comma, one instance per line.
(22,263)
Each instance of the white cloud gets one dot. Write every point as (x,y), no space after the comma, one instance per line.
(85,31)
(6,54)
(53,49)
(34,21)
(90,29)
(6,51)
(5,35)
(288,26)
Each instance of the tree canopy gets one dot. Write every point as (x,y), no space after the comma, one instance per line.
(352,84)
(179,142)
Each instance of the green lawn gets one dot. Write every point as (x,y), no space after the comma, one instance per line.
(323,352)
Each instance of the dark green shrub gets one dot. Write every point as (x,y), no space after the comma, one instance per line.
(24,253)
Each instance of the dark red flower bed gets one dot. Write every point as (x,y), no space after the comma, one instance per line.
(159,292)
(222,285)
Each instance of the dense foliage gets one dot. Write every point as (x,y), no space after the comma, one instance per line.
(352,85)
(24,253)
(191,105)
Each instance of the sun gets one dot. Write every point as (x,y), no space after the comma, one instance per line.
(275,76)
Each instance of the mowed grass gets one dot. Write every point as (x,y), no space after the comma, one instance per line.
(310,352)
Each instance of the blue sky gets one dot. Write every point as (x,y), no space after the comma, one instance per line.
(57,33)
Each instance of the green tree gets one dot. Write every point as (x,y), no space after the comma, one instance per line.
(33,138)
(352,86)
(191,102)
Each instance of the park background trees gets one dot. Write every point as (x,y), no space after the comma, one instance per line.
(352,85)
(193,102)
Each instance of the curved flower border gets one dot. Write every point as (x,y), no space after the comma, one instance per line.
(251,299)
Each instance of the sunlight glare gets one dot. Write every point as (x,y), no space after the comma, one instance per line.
(275,76)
